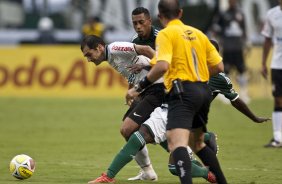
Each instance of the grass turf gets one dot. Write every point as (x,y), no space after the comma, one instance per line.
(74,141)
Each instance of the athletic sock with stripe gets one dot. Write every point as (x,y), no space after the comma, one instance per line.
(126,154)
(209,158)
(183,164)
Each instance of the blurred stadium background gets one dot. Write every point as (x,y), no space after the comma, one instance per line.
(40,53)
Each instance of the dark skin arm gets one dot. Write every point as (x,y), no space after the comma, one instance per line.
(243,108)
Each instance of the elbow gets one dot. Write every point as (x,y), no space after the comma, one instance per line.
(220,67)
(214,70)
(164,67)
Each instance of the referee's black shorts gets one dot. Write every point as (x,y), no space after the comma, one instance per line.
(192,111)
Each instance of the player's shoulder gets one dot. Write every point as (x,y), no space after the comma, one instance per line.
(273,11)
(135,38)
(155,30)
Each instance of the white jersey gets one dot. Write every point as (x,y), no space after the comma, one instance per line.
(122,55)
(273,29)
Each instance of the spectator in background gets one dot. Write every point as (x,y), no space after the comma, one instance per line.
(272,31)
(46,31)
(231,27)
(93,27)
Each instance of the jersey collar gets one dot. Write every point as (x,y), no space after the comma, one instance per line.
(175,22)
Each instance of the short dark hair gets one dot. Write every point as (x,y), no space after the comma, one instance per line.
(169,8)
(215,44)
(91,41)
(140,10)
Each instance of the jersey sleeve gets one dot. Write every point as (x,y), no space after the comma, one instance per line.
(267,29)
(122,49)
(163,47)
(222,84)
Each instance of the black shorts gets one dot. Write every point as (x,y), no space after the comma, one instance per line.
(276,78)
(234,59)
(193,111)
(141,109)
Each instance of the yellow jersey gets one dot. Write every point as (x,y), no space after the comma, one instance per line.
(188,52)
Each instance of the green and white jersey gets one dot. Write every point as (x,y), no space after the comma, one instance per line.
(222,84)
(150,41)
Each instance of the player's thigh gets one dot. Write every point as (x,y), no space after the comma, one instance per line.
(156,125)
(177,137)
(196,139)
(182,112)
(276,77)
(144,108)
(239,61)
(128,127)
(228,61)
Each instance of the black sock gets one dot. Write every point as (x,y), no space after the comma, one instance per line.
(183,165)
(209,158)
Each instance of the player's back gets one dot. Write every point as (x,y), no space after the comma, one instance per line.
(189,52)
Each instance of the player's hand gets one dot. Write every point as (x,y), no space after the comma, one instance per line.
(130,95)
(264,72)
(261,119)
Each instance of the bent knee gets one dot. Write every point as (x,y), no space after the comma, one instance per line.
(128,127)
(125,132)
(197,146)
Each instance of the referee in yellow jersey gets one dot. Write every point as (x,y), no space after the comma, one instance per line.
(186,58)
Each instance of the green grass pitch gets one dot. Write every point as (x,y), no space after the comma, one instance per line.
(74,141)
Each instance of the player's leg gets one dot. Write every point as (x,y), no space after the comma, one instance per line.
(198,170)
(242,78)
(276,76)
(207,156)
(180,118)
(126,154)
(227,58)
(210,139)
(156,126)
(140,114)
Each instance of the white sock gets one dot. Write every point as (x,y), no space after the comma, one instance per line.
(277,125)
(142,157)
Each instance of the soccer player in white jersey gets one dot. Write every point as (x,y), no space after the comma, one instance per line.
(272,31)
(121,56)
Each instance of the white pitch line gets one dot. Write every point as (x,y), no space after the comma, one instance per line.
(247,169)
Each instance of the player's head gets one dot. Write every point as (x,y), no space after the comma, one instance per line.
(93,48)
(142,22)
(169,10)
(215,44)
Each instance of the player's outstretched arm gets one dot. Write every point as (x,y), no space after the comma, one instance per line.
(243,108)
(145,50)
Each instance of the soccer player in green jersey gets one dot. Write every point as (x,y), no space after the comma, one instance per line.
(146,34)
(153,131)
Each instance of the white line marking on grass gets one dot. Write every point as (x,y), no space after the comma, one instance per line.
(247,169)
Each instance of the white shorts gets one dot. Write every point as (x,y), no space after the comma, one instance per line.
(157,124)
